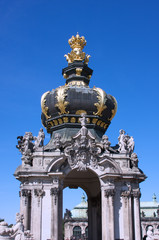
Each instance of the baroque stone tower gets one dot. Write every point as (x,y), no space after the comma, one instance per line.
(79,155)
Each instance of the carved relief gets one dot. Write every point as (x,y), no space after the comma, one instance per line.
(136,193)
(60,96)
(39,192)
(83,152)
(105,143)
(54,192)
(57,141)
(113,110)
(25,193)
(43,105)
(109,192)
(101,101)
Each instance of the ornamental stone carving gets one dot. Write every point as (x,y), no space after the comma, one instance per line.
(39,192)
(136,193)
(54,192)
(105,143)
(83,151)
(25,193)
(57,141)
(109,192)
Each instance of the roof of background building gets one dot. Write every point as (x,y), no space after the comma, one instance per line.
(150,208)
(80,211)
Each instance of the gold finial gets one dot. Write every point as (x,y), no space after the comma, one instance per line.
(77,44)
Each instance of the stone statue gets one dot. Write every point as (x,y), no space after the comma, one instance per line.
(18,228)
(125,142)
(83,119)
(122,141)
(149,233)
(106,144)
(68,214)
(82,160)
(131,145)
(134,160)
(39,140)
(5,230)
(25,146)
(57,141)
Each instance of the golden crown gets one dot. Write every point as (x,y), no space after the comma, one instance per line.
(77,42)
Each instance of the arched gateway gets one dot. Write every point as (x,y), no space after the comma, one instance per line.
(79,155)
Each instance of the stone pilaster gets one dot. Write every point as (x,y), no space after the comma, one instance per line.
(137,223)
(56,208)
(127,215)
(92,216)
(39,193)
(108,214)
(25,208)
(54,192)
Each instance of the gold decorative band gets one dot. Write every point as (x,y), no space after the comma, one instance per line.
(75,119)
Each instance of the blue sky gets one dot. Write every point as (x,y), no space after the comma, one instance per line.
(123,41)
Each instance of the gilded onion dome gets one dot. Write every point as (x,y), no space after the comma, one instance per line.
(62,107)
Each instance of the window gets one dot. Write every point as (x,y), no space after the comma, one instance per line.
(77,231)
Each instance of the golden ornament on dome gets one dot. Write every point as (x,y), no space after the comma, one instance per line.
(77,44)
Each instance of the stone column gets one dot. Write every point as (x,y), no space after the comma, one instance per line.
(108,214)
(137,222)
(127,215)
(25,194)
